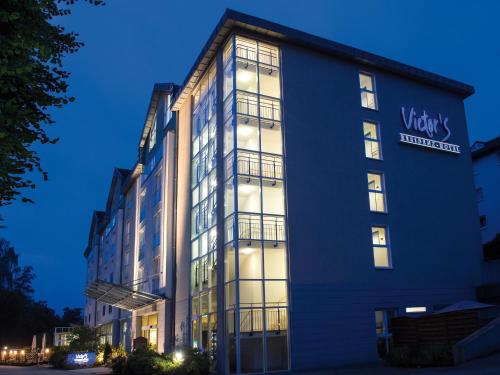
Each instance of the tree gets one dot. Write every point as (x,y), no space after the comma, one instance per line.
(84,338)
(12,276)
(20,315)
(32,81)
(72,316)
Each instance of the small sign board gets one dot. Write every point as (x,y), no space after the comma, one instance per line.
(81,359)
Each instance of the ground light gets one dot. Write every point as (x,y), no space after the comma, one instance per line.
(178,356)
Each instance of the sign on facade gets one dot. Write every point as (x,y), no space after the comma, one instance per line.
(433,131)
(81,359)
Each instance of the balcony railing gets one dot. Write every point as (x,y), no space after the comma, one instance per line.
(265,56)
(251,320)
(274,228)
(249,228)
(247,104)
(268,108)
(272,166)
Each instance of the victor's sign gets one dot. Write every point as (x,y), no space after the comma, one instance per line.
(433,131)
(81,359)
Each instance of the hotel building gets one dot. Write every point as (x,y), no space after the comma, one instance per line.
(486,164)
(290,197)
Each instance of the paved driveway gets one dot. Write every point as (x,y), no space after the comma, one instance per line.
(46,370)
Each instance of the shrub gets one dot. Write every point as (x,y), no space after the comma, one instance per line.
(421,356)
(147,361)
(58,357)
(107,353)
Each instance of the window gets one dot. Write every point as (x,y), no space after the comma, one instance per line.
(416,310)
(168,112)
(142,243)
(482,221)
(127,233)
(152,134)
(376,192)
(142,212)
(110,309)
(103,310)
(156,265)
(157,187)
(383,329)
(372,140)
(479,194)
(381,252)
(368,93)
(156,235)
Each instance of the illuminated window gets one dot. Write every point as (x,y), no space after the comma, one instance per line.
(168,112)
(372,140)
(152,134)
(381,252)
(142,206)
(376,192)
(416,310)
(368,93)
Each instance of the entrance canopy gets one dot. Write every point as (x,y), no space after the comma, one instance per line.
(120,296)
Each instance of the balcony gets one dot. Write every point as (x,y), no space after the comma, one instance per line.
(249,105)
(251,320)
(273,228)
(263,55)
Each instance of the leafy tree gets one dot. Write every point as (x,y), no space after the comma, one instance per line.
(20,315)
(84,338)
(12,276)
(72,316)
(32,81)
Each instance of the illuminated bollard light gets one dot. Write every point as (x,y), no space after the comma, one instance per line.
(178,357)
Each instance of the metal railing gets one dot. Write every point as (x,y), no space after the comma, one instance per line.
(251,320)
(265,56)
(274,228)
(249,228)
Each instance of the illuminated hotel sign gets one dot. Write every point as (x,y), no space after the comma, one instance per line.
(429,128)
(81,359)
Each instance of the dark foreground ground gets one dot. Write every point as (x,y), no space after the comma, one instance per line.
(484,366)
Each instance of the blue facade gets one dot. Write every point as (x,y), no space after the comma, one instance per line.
(431,214)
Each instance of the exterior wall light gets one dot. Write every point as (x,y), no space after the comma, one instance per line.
(22,352)
(47,350)
(178,356)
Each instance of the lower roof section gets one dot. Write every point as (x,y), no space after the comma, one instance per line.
(120,296)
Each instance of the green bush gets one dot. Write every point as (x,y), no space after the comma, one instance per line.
(421,356)
(58,357)
(107,353)
(147,361)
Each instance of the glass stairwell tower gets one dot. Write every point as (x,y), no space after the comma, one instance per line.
(255,235)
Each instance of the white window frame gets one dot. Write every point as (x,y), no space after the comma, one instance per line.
(381,191)
(152,134)
(363,90)
(385,335)
(387,246)
(378,140)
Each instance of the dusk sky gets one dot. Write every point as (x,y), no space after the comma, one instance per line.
(130,45)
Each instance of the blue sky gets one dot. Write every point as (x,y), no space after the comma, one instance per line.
(132,44)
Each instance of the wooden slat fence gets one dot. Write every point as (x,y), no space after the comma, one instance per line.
(434,329)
